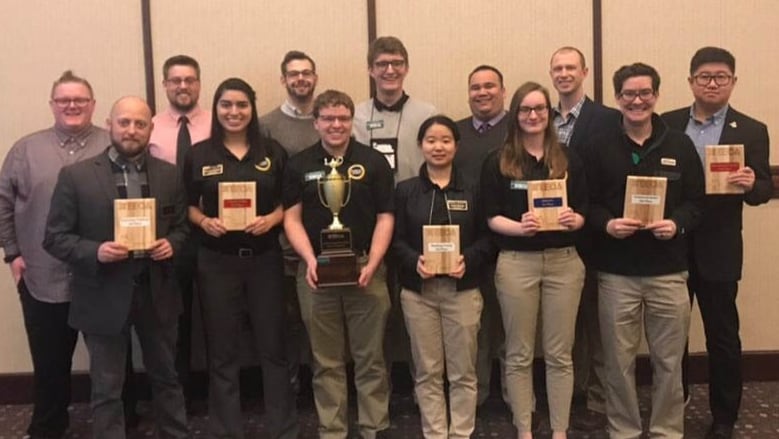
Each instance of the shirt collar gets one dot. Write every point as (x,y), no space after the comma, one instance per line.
(80,138)
(453,180)
(717,118)
(494,121)
(192,114)
(121,161)
(292,111)
(575,111)
(396,107)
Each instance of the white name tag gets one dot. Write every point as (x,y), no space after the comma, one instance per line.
(440,247)
(646,199)
(665,161)
(135,221)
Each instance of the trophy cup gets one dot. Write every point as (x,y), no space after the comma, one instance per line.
(337,263)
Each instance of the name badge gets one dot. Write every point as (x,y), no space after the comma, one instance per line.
(312,176)
(665,161)
(374,125)
(518,185)
(213,170)
(458,205)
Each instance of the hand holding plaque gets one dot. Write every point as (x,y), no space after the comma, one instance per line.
(337,263)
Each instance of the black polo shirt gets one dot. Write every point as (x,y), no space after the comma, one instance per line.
(508,197)
(372,184)
(208,163)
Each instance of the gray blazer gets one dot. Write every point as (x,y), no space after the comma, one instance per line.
(81,217)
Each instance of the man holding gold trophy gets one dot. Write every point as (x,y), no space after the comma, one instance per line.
(338,200)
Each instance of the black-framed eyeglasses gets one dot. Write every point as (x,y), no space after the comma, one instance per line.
(644,94)
(396,64)
(66,102)
(539,109)
(704,79)
(188,81)
(308,74)
(333,119)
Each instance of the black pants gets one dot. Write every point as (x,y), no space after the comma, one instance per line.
(717,302)
(52,343)
(186,272)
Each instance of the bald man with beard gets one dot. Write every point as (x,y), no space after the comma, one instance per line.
(113,288)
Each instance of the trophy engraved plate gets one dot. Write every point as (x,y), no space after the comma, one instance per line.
(721,160)
(547,199)
(237,204)
(135,223)
(336,263)
(441,248)
(645,198)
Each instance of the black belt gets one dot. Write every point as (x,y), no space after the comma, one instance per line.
(242,252)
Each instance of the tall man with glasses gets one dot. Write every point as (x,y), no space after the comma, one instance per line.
(388,123)
(716,252)
(357,312)
(642,268)
(577,119)
(176,129)
(292,125)
(27,181)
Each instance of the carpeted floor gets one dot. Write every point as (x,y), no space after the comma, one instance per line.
(759,417)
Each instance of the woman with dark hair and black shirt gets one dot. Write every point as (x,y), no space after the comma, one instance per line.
(240,271)
(441,311)
(535,269)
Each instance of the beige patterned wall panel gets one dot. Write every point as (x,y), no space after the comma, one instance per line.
(665,34)
(40,40)
(446,39)
(248,39)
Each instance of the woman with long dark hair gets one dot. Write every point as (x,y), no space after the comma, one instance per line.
(536,269)
(240,268)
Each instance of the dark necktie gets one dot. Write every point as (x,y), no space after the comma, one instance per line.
(183,142)
(484,127)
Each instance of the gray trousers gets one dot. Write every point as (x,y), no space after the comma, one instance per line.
(107,356)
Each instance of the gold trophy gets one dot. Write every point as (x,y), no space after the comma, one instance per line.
(337,263)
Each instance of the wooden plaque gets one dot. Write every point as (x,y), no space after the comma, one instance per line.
(547,199)
(720,161)
(135,223)
(441,248)
(237,204)
(645,198)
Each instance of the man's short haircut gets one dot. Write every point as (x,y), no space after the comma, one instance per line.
(295,55)
(636,69)
(710,54)
(384,45)
(484,67)
(570,49)
(180,60)
(332,98)
(69,77)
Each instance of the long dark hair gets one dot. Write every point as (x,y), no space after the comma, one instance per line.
(514,159)
(253,134)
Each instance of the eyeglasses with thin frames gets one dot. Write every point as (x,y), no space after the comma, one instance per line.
(384,65)
(76,102)
(538,109)
(704,79)
(178,82)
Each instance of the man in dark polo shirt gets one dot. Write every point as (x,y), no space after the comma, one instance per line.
(359,311)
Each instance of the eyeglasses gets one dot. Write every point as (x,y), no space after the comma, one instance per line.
(332,119)
(539,109)
(292,74)
(644,94)
(384,65)
(721,79)
(189,80)
(77,102)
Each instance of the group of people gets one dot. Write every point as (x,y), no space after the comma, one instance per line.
(587,286)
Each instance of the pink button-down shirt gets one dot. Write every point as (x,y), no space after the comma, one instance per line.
(166,130)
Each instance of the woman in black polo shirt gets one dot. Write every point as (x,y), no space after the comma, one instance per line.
(536,269)
(239,263)
(441,311)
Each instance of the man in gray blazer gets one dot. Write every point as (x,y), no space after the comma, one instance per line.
(113,288)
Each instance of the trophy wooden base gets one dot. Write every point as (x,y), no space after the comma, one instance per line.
(337,269)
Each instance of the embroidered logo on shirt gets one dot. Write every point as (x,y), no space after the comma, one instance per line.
(665,161)
(264,165)
(457,205)
(212,170)
(356,172)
